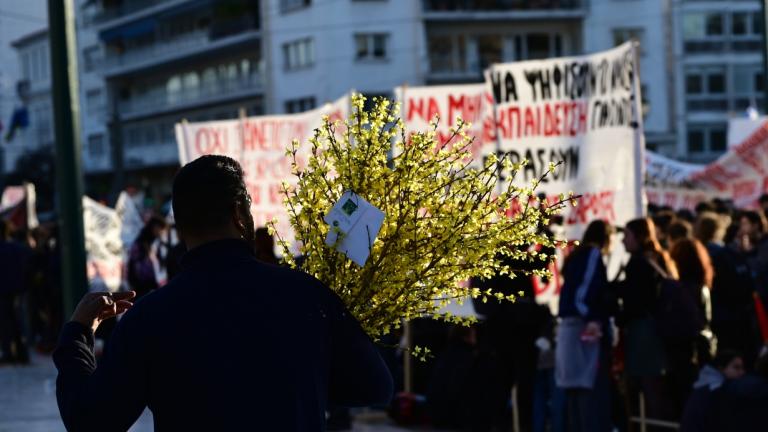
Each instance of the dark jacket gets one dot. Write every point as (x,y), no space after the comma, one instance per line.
(585,286)
(639,291)
(229,344)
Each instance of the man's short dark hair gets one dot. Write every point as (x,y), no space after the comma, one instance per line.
(206,193)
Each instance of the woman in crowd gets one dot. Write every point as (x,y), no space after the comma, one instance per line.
(582,356)
(648,266)
(141,268)
(683,357)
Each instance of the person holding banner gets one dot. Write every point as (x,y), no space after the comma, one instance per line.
(229,344)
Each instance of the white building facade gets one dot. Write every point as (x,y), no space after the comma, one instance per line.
(318,50)
(33,98)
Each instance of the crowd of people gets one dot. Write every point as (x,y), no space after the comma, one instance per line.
(678,335)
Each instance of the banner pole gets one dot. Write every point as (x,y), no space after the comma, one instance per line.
(640,200)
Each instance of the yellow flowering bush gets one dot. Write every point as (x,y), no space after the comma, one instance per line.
(447,219)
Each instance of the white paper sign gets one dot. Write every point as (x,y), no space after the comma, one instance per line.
(357,222)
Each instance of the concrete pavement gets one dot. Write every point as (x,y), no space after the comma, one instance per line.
(28,402)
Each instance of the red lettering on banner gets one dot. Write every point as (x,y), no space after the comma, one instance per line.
(551,119)
(468,107)
(211,140)
(276,194)
(744,189)
(670,199)
(653,197)
(749,150)
(599,205)
(425,111)
(271,134)
(255,191)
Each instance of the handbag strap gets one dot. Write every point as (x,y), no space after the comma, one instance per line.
(657,267)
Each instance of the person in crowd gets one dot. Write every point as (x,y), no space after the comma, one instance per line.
(685,215)
(752,242)
(584,340)
(727,365)
(763,201)
(682,353)
(265,246)
(731,289)
(141,268)
(646,269)
(228,344)
(661,221)
(678,230)
(14,261)
(509,334)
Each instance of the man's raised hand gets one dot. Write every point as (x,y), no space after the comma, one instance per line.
(98,306)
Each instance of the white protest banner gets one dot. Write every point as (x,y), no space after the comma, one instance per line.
(582,111)
(676,197)
(741,174)
(663,171)
(103,246)
(471,102)
(259,144)
(131,222)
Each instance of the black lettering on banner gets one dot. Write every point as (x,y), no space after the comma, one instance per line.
(504,88)
(538,163)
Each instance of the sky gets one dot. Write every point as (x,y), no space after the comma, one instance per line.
(17,18)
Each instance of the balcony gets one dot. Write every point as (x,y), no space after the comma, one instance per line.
(161,101)
(123,12)
(170,50)
(452,10)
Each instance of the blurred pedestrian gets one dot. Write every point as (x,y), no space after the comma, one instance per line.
(682,353)
(228,343)
(732,287)
(584,335)
(644,351)
(141,262)
(14,261)
(699,408)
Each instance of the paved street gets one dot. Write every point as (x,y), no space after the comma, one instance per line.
(28,402)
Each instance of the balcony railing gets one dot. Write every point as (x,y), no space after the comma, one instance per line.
(718,46)
(498,5)
(170,49)
(160,48)
(163,100)
(125,8)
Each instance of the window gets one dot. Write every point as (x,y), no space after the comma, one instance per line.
(716,83)
(94,102)
(447,53)
(693,84)
(739,23)
(299,54)
(291,5)
(488,50)
(695,141)
(714,24)
(722,32)
(746,86)
(621,35)
(371,46)
(538,46)
(299,105)
(706,89)
(96,145)
(717,140)
(707,138)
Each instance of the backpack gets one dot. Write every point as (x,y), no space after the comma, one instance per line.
(678,316)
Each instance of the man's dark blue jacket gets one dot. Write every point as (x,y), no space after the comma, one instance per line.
(230,344)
